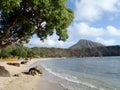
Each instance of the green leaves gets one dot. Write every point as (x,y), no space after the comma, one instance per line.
(7,6)
(21,19)
(19,52)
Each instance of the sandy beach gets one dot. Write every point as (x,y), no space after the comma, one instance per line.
(25,82)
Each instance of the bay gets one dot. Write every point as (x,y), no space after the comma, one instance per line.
(90,73)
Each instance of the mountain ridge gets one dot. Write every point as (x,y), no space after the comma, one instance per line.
(83,43)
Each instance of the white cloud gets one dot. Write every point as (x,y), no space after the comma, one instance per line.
(93,9)
(77,31)
(51,41)
(84,29)
(105,42)
(88,10)
(113,31)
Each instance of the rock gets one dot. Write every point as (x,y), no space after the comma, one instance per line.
(24,62)
(26,58)
(4,72)
(14,64)
(32,72)
(27,73)
(16,75)
(66,89)
(35,70)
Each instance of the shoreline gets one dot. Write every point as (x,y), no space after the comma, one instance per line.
(46,85)
(63,82)
(26,82)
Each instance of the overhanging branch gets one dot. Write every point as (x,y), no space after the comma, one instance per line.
(7,31)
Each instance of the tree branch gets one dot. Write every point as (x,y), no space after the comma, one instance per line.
(7,31)
(7,44)
(18,39)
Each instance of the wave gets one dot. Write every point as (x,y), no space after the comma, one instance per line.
(69,78)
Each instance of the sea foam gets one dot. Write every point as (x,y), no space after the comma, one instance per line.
(69,78)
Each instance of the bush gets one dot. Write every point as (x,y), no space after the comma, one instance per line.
(5,53)
(19,52)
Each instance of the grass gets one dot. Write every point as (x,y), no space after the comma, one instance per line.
(11,60)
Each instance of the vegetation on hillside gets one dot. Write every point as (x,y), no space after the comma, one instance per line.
(36,52)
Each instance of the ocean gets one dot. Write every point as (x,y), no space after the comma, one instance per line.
(89,73)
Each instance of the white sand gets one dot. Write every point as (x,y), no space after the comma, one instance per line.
(25,82)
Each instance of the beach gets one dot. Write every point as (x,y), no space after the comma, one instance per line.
(25,82)
(65,74)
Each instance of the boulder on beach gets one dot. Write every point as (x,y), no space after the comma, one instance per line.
(4,72)
(24,62)
(35,70)
(14,64)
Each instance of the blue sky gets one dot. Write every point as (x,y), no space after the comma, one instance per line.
(96,20)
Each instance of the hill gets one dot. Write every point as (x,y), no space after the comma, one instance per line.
(96,51)
(36,52)
(86,44)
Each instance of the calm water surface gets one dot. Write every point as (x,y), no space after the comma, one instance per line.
(91,73)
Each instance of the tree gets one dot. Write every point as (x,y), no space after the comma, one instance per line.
(31,53)
(5,53)
(19,52)
(20,19)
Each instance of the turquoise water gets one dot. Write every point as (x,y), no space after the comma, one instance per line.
(92,73)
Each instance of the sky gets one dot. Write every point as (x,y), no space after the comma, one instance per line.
(95,20)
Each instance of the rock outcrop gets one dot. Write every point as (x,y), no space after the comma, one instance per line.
(35,70)
(4,72)
(14,64)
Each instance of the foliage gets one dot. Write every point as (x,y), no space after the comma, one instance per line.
(19,52)
(20,19)
(50,52)
(9,5)
(84,52)
(5,53)
(58,52)
(31,53)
